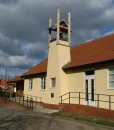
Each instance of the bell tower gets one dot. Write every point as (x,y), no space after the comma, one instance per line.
(58,56)
(60,31)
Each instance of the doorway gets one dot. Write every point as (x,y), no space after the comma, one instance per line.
(90,89)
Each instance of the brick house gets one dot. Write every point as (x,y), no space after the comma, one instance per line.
(16,85)
(3,84)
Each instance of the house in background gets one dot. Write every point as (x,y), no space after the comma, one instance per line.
(3,84)
(83,74)
(16,85)
(3,87)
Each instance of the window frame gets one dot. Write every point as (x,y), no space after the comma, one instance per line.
(30,83)
(110,74)
(53,82)
(43,83)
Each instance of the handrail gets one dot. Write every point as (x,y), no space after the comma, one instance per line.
(64,94)
(31,96)
(97,98)
(90,93)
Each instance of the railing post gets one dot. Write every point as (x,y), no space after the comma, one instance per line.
(36,99)
(61,98)
(69,97)
(98,100)
(23,100)
(27,101)
(12,99)
(32,104)
(40,100)
(19,98)
(109,102)
(15,99)
(79,97)
(87,99)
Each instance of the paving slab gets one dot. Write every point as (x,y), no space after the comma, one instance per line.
(19,118)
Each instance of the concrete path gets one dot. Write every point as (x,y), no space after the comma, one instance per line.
(40,109)
(18,118)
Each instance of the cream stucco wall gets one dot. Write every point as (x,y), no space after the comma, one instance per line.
(36,88)
(76,83)
(59,55)
(102,82)
(102,87)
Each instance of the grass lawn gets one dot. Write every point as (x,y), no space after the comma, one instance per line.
(91,119)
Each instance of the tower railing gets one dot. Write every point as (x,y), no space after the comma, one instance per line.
(61,38)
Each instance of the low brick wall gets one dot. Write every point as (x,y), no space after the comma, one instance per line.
(3,100)
(50,106)
(86,110)
(6,101)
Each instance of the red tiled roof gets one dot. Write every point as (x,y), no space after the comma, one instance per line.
(17,78)
(39,68)
(3,84)
(95,51)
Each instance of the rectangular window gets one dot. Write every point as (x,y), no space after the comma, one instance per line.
(52,95)
(111,77)
(30,84)
(86,90)
(90,72)
(43,82)
(92,89)
(53,82)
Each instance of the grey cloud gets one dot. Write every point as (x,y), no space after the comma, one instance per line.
(24,21)
(8,1)
(36,50)
(9,46)
(23,26)
(3,58)
(22,61)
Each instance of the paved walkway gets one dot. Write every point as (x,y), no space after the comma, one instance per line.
(17,118)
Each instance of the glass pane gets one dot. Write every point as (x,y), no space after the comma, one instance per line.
(53,82)
(86,84)
(92,82)
(91,72)
(92,89)
(111,77)
(41,83)
(44,83)
(86,90)
(111,70)
(112,84)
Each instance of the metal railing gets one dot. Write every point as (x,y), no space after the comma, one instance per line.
(99,99)
(22,99)
(35,98)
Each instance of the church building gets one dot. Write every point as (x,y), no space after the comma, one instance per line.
(83,74)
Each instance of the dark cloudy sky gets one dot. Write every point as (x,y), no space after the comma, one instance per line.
(24,23)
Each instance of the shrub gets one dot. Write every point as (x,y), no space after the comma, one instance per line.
(2,94)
